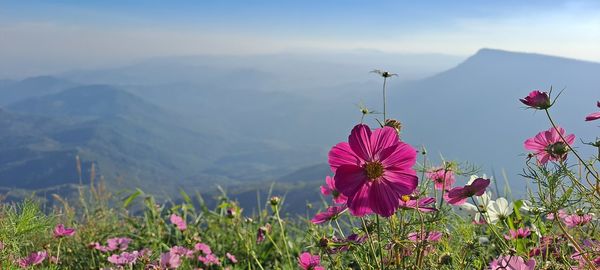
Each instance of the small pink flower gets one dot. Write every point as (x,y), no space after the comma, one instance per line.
(518,234)
(262,232)
(125,258)
(182,251)
(209,260)
(34,258)
(331,213)
(169,260)
(433,236)
(459,195)
(329,189)
(120,243)
(374,169)
(179,222)
(306,261)
(548,145)
(61,231)
(537,100)
(561,214)
(203,247)
(231,257)
(407,202)
(575,220)
(442,178)
(593,116)
(513,262)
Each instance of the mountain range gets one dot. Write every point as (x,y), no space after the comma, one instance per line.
(238,128)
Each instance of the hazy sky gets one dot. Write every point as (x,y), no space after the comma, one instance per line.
(39,37)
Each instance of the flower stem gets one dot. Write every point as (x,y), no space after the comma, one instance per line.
(379,242)
(370,240)
(575,244)
(384,99)
(283,235)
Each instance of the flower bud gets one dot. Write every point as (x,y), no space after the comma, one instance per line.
(537,100)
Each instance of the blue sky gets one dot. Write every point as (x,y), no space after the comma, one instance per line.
(88,32)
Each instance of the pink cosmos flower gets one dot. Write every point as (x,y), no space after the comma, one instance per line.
(459,195)
(374,169)
(547,145)
(593,116)
(179,222)
(169,260)
(561,214)
(518,234)
(432,236)
(442,178)
(407,202)
(306,261)
(575,220)
(514,262)
(182,251)
(209,259)
(120,243)
(262,232)
(34,258)
(331,213)
(231,257)
(61,231)
(125,258)
(537,100)
(203,247)
(329,189)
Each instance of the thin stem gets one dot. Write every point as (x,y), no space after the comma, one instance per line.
(384,100)
(571,148)
(576,245)
(379,242)
(370,240)
(283,235)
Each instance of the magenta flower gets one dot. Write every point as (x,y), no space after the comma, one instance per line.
(262,232)
(433,236)
(331,213)
(518,234)
(374,169)
(421,204)
(306,261)
(61,231)
(561,214)
(34,258)
(179,222)
(459,195)
(442,178)
(329,189)
(169,260)
(547,145)
(593,116)
(125,258)
(512,263)
(575,220)
(120,243)
(537,100)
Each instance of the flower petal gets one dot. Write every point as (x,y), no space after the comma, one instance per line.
(383,199)
(349,178)
(342,154)
(360,142)
(359,203)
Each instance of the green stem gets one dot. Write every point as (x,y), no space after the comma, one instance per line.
(384,99)
(379,242)
(283,235)
(373,253)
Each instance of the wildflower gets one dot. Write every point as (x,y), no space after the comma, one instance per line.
(499,210)
(394,124)
(537,100)
(120,243)
(34,258)
(182,251)
(512,262)
(61,231)
(331,213)
(548,145)
(275,200)
(125,258)
(575,220)
(459,195)
(528,207)
(231,257)
(179,222)
(407,202)
(518,234)
(306,261)
(209,259)
(443,178)
(262,232)
(593,116)
(561,214)
(203,247)
(169,260)
(329,188)
(483,203)
(374,169)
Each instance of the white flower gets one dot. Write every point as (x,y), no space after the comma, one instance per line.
(483,203)
(499,210)
(529,208)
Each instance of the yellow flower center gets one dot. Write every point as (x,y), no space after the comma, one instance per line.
(374,170)
(405,198)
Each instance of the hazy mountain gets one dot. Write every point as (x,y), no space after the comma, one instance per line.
(12,91)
